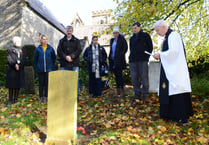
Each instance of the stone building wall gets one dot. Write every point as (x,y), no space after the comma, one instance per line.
(33,26)
(10,21)
(18,19)
(101,17)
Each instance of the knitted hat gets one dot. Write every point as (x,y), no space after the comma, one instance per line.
(116,29)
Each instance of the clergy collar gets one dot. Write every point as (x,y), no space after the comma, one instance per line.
(168,32)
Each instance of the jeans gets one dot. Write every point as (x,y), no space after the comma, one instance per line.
(75,69)
(137,70)
(119,77)
(43,84)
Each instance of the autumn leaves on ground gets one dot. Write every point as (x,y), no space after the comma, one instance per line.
(106,120)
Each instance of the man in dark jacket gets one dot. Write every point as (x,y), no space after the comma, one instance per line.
(117,62)
(68,51)
(138,60)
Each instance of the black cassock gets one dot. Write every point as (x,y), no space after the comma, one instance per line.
(175,107)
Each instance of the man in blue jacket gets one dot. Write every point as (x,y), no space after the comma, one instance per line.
(138,60)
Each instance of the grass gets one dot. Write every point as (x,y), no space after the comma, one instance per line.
(106,120)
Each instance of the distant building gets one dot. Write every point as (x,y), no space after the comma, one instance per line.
(28,19)
(102,17)
(100,22)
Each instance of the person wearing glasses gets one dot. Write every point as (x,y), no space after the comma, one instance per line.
(174,87)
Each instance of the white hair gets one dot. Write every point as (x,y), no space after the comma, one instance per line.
(160,23)
(16,38)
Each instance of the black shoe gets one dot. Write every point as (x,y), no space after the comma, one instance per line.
(15,100)
(137,97)
(181,121)
(145,97)
(94,96)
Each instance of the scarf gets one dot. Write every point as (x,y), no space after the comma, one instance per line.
(95,64)
(18,51)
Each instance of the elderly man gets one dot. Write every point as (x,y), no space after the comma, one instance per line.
(68,51)
(174,88)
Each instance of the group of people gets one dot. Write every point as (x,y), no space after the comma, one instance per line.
(174,85)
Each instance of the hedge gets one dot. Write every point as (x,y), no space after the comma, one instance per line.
(30,49)
(3,66)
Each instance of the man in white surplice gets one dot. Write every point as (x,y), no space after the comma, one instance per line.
(175,87)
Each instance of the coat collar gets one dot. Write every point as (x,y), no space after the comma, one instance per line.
(138,34)
(48,46)
(73,37)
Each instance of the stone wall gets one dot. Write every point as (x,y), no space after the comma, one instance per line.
(33,26)
(101,17)
(10,21)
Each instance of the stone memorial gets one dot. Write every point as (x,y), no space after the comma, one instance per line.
(154,75)
(62,108)
(29,81)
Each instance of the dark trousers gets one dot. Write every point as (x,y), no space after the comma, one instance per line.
(95,85)
(119,77)
(140,70)
(43,84)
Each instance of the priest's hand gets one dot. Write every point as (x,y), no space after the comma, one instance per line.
(157,56)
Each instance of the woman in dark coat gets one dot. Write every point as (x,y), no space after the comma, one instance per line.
(15,77)
(95,56)
(44,60)
(117,62)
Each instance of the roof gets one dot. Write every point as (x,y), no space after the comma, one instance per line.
(45,13)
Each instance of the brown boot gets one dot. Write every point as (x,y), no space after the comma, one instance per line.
(121,92)
(118,91)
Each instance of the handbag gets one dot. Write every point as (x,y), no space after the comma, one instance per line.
(104,69)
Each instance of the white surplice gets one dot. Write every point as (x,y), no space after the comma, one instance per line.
(175,65)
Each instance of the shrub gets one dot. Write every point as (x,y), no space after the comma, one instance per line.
(3,66)
(200,84)
(30,49)
(83,74)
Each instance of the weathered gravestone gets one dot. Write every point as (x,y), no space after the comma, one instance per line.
(29,81)
(62,108)
(154,75)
